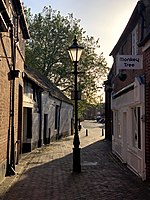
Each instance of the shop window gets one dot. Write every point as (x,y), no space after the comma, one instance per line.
(117,124)
(136,127)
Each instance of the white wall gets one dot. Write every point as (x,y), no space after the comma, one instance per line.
(123,140)
(66,112)
(66,115)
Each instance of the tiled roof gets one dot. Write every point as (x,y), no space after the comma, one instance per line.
(45,84)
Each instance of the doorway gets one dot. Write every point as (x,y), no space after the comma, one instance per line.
(27,129)
(45,138)
(19,135)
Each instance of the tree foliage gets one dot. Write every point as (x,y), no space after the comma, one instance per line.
(50,36)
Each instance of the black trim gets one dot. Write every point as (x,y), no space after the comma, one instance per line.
(126,90)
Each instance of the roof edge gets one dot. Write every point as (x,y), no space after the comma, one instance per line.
(129,27)
(19,9)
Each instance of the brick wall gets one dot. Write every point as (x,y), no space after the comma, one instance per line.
(146,59)
(118,84)
(126,49)
(5,98)
(4,104)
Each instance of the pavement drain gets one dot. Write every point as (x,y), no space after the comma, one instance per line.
(85,163)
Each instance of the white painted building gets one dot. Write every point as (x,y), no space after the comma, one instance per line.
(128,140)
(47,112)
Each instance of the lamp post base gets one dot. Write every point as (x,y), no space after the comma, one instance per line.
(76,160)
(10,171)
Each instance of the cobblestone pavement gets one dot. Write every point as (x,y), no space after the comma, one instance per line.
(46,173)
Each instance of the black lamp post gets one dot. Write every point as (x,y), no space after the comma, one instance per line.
(75,52)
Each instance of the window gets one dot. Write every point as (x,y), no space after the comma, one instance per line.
(7,3)
(115,117)
(21,40)
(117,125)
(135,41)
(136,127)
(28,90)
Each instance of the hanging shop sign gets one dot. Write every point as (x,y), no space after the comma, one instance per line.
(129,62)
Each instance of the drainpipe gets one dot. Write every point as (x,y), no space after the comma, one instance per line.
(13,74)
(10,168)
(40,126)
(13,57)
(59,120)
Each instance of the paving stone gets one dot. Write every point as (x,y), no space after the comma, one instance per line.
(46,173)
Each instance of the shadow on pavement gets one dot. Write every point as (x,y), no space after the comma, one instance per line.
(102,177)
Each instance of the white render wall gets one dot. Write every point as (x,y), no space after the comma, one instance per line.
(29,103)
(49,104)
(122,140)
(48,107)
(66,114)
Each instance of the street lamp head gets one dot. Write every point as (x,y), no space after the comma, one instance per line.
(75,51)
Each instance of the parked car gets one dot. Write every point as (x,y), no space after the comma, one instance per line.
(98,117)
(102,121)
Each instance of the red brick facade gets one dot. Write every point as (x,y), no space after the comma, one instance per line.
(12,40)
(4,108)
(147,107)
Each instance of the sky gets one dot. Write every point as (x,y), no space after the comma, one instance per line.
(103,19)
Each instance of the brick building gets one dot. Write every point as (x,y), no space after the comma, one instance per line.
(145,44)
(13,33)
(129,94)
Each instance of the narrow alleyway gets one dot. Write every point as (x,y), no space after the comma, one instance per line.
(46,173)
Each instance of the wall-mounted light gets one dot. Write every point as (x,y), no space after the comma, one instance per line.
(13,74)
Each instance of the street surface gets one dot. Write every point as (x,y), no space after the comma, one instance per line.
(46,173)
